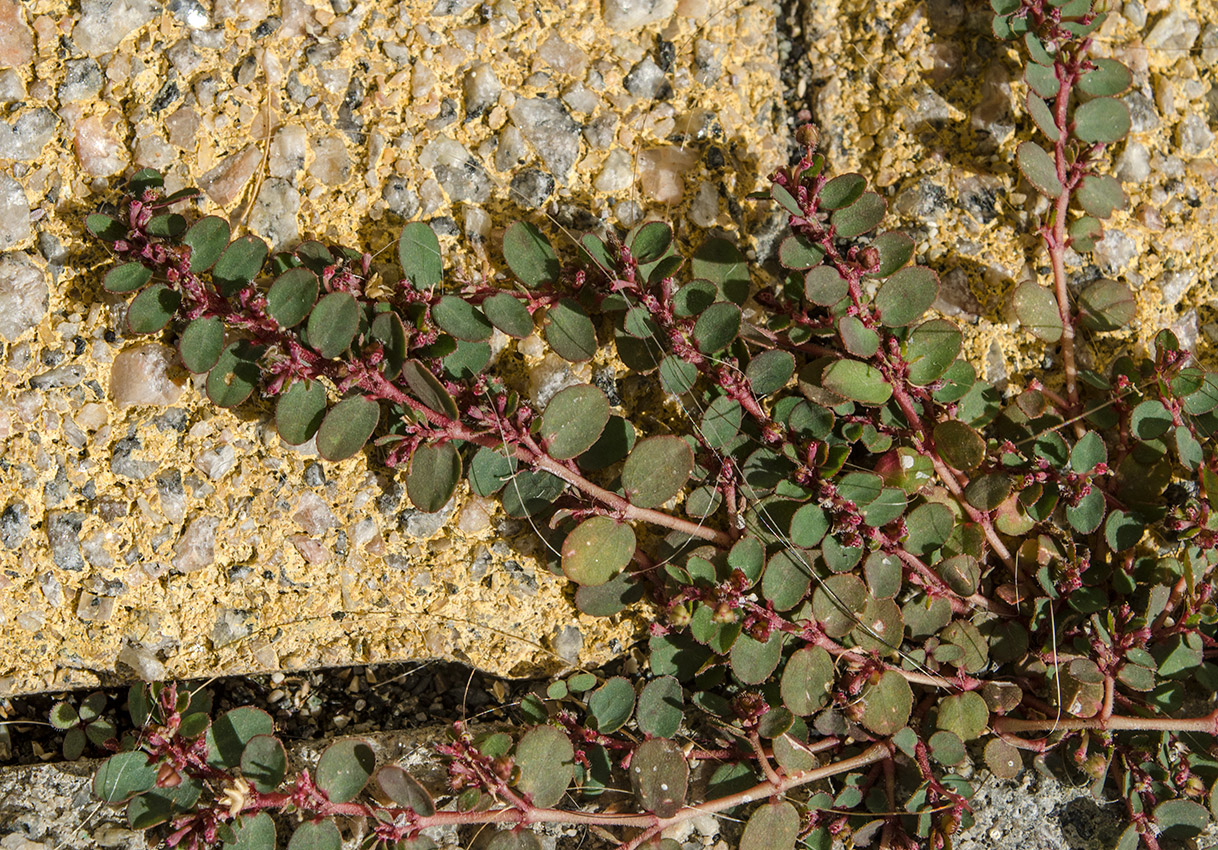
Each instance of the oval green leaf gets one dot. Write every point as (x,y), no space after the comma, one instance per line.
(509,314)
(126,278)
(656,470)
(207,238)
(346,428)
(433,476)
(904,297)
(574,420)
(292,296)
(529,255)
(201,344)
(570,332)
(419,255)
(344,769)
(151,310)
(596,550)
(333,323)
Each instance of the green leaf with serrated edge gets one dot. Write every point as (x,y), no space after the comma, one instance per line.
(1043,116)
(490,470)
(656,470)
(1106,305)
(1043,80)
(207,238)
(1088,514)
(151,310)
(428,389)
(824,285)
(771,826)
(906,295)
(721,422)
(231,731)
(122,776)
(1036,49)
(959,445)
(809,525)
(1100,195)
(807,679)
(292,296)
(508,314)
(597,549)
(333,323)
(1101,121)
(838,602)
(895,249)
(1036,309)
(463,320)
(721,262)
(659,775)
(611,705)
(126,278)
(420,257)
(753,661)
(677,376)
(239,264)
(1109,78)
(931,351)
(530,491)
(797,252)
(1181,820)
(570,332)
(347,427)
(546,761)
(842,191)
(404,790)
(432,477)
(529,255)
(887,704)
(857,381)
(252,832)
(858,339)
(574,420)
(965,714)
(946,748)
(1003,760)
(264,762)
(717,327)
(1038,168)
(316,835)
(661,707)
(201,343)
(648,241)
(235,374)
(769,371)
(693,298)
(299,411)
(1150,419)
(344,769)
(862,216)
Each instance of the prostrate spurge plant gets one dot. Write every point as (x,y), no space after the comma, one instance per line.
(871,570)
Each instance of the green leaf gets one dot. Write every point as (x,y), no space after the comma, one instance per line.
(786,200)
(615,443)
(166,225)
(264,762)
(1003,760)
(597,550)
(659,775)
(858,339)
(1150,419)
(388,330)
(509,314)
(529,255)
(797,252)
(931,351)
(151,310)
(463,320)
(721,422)
(895,249)
(772,826)
(126,278)
(1036,309)
(1042,79)
(962,573)
(987,492)
(721,262)
(786,579)
(1181,820)
(656,470)
(649,241)
(201,343)
(292,296)
(1102,121)
(344,769)
(807,680)
(432,477)
(809,525)
(63,716)
(1106,305)
(857,381)
(546,761)
(1109,79)
(122,776)
(207,238)
(530,491)
(1038,168)
(105,227)
(612,703)
(574,420)
(231,731)
(887,704)
(769,371)
(420,257)
(904,297)
(428,389)
(333,323)
(299,411)
(239,264)
(510,839)
(661,707)
(316,835)
(842,191)
(1043,116)
(235,374)
(404,790)
(1100,195)
(717,327)
(961,446)
(825,286)
(862,216)
(160,804)
(1086,516)
(347,427)
(490,469)
(838,602)
(1122,531)
(677,376)
(754,661)
(1084,233)
(964,714)
(252,832)
(569,331)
